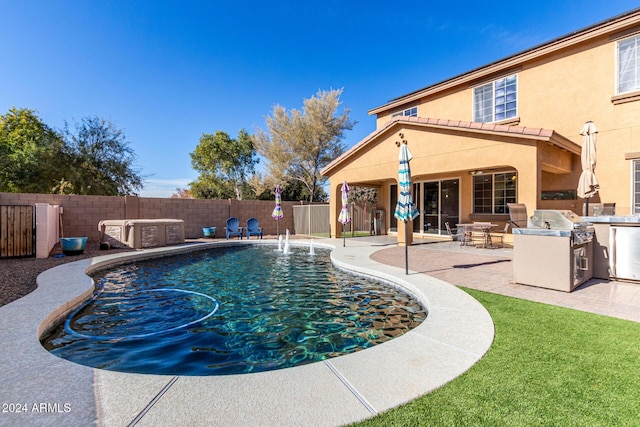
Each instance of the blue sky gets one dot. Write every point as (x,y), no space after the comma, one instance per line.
(167,71)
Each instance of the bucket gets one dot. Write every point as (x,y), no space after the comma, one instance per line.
(73,245)
(209,231)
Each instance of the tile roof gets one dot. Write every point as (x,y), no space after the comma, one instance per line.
(489,127)
(524,132)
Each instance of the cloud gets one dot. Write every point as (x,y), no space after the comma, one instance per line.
(163,188)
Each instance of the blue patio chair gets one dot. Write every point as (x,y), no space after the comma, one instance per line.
(253,228)
(233,228)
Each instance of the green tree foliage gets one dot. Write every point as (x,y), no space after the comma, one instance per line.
(94,159)
(33,157)
(363,195)
(291,191)
(300,143)
(102,161)
(225,166)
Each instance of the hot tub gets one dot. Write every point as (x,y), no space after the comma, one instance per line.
(141,233)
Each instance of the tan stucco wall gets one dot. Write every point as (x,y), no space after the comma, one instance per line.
(561,92)
(444,154)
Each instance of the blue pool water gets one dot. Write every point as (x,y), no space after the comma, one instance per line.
(229,311)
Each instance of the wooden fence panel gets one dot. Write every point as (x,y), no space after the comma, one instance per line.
(17,231)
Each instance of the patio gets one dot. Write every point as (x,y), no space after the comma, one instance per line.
(490,270)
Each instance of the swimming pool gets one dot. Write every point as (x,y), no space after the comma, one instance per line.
(228,311)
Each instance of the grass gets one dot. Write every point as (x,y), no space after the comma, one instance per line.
(548,366)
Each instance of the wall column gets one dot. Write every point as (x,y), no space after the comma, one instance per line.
(401,233)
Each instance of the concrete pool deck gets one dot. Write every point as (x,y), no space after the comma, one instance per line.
(40,389)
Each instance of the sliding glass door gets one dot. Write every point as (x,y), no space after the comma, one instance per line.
(441,204)
(437,201)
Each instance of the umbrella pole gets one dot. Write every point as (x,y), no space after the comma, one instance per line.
(406,249)
(344,239)
(586,208)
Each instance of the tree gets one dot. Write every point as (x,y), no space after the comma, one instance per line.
(363,195)
(33,157)
(300,143)
(224,164)
(102,161)
(182,193)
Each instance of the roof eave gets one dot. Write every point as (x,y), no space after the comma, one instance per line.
(533,134)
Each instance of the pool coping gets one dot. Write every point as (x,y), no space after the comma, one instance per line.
(456,334)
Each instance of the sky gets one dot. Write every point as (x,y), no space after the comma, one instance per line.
(165,72)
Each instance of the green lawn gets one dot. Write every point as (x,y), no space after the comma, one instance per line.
(548,366)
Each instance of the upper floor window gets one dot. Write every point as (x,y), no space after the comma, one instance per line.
(629,64)
(496,101)
(492,192)
(409,112)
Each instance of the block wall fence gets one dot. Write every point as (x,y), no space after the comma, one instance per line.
(81,214)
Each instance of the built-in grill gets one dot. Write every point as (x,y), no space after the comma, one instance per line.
(555,252)
(581,231)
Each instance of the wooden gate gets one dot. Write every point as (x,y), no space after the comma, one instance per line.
(17,231)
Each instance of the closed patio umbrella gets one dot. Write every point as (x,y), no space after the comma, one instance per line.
(345,215)
(588,184)
(277,211)
(405,208)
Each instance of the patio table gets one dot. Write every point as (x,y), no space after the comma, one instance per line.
(485,228)
(466,233)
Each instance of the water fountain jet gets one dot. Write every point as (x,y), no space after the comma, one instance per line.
(286,243)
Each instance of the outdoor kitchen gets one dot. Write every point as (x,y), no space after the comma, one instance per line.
(561,250)
(555,251)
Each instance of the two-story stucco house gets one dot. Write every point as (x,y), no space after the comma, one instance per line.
(509,132)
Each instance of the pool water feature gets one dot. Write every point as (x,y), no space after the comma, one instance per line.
(228,311)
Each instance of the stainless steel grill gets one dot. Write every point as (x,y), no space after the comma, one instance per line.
(555,252)
(581,232)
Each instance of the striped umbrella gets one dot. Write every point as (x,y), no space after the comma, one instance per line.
(406,209)
(345,215)
(277,213)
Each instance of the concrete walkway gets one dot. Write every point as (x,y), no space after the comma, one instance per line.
(39,389)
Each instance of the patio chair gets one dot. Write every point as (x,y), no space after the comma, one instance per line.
(253,228)
(457,234)
(595,209)
(609,209)
(450,232)
(233,228)
(500,234)
(517,215)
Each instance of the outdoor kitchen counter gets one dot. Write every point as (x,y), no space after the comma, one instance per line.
(611,258)
(613,219)
(542,232)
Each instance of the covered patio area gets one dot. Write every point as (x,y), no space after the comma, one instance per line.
(461,172)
